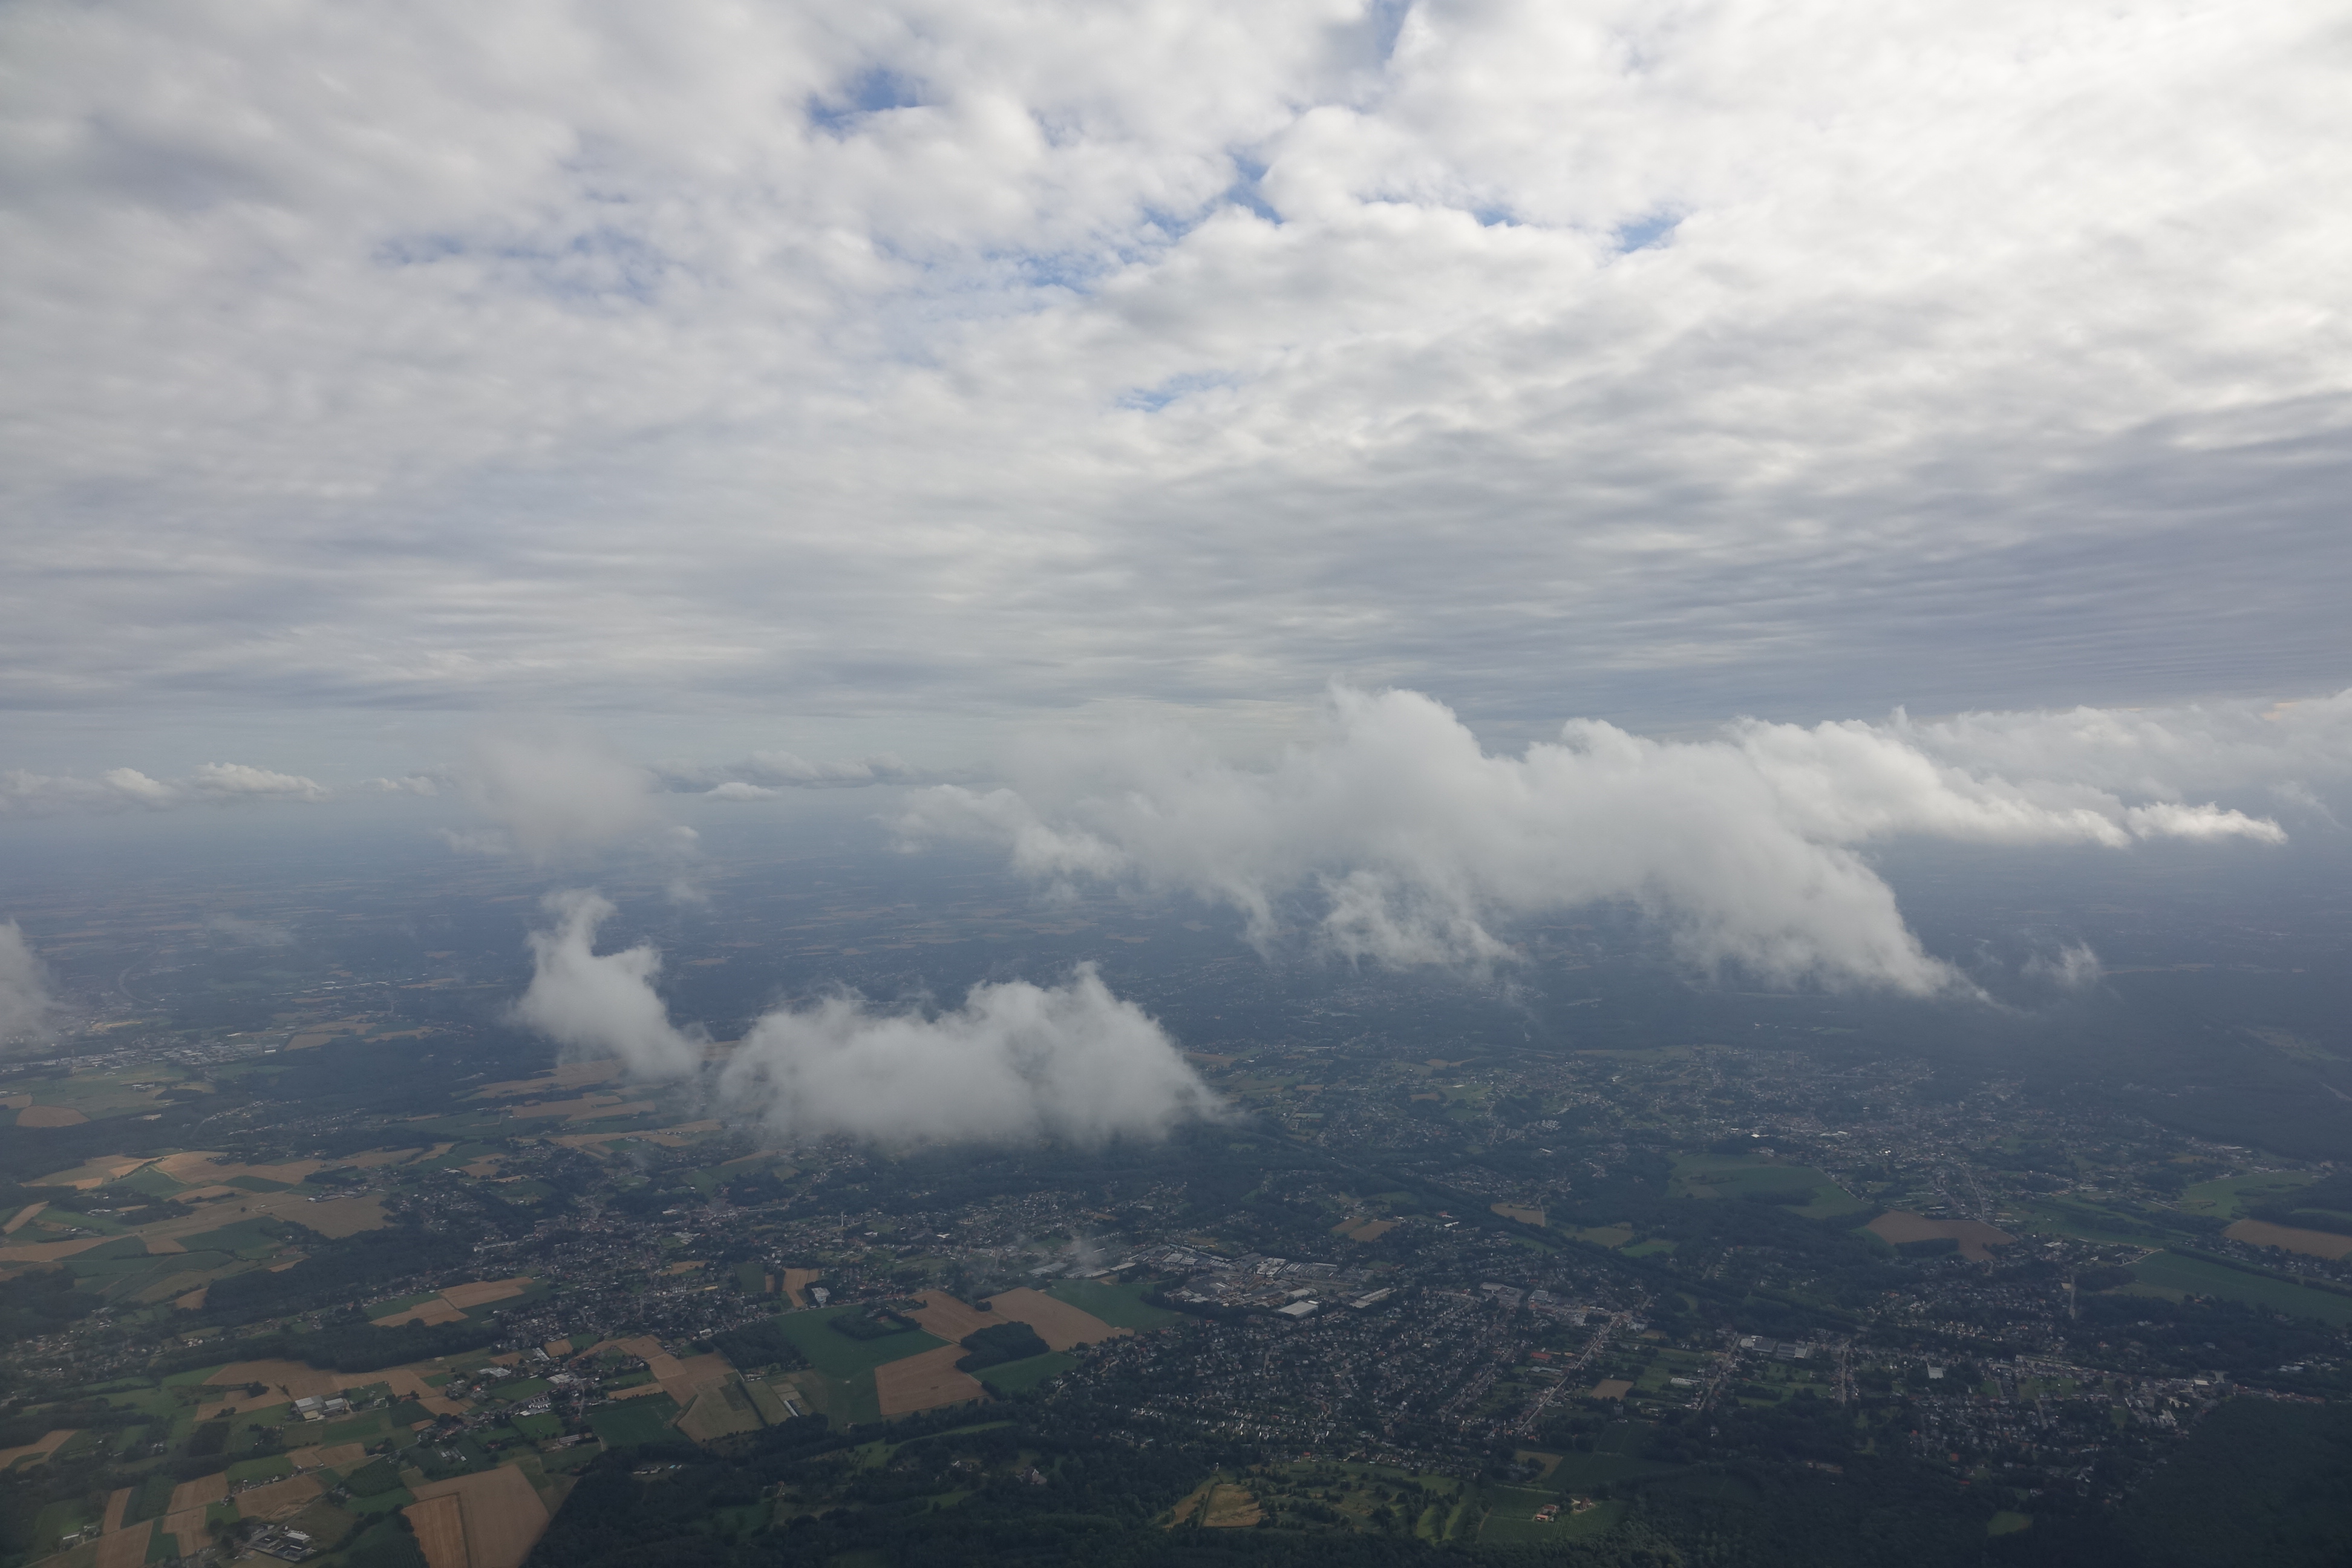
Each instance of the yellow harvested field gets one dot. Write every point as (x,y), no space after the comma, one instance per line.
(502,1516)
(49,1444)
(949,1318)
(27,1212)
(198,1167)
(91,1173)
(440,1526)
(117,1504)
(575,1076)
(2310,1243)
(1976,1237)
(925,1382)
(48,1251)
(279,1498)
(1520,1211)
(479,1292)
(50,1116)
(16,1101)
(335,1456)
(714,1415)
(437,1311)
(1612,1388)
(683,1380)
(162,1246)
(796,1280)
(582,1109)
(124,1548)
(187,1526)
(197,1493)
(1059,1324)
(1230,1508)
(194,1301)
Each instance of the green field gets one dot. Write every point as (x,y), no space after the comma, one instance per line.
(1120,1306)
(634,1422)
(2231,1196)
(1510,1518)
(1732,1176)
(838,1355)
(2171,1271)
(1016,1376)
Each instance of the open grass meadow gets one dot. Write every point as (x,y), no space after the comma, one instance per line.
(633,1423)
(838,1355)
(1018,1376)
(1120,1306)
(1800,1188)
(2196,1277)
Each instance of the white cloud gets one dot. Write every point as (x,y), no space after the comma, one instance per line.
(125,789)
(2075,968)
(1413,838)
(601,1005)
(555,792)
(24,1004)
(1016,1061)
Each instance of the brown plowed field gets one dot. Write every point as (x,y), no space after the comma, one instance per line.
(1058,1323)
(1974,1236)
(949,1318)
(925,1382)
(49,1444)
(277,1497)
(440,1526)
(283,1379)
(115,1504)
(50,1116)
(503,1517)
(2311,1243)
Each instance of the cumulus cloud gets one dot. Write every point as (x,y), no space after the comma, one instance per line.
(601,1005)
(553,793)
(1412,839)
(1016,1061)
(128,789)
(24,1004)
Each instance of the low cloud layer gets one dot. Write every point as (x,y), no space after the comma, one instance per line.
(128,789)
(1016,1061)
(763,776)
(24,1004)
(1413,840)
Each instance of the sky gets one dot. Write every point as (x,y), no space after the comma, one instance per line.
(1455,458)
(865,380)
